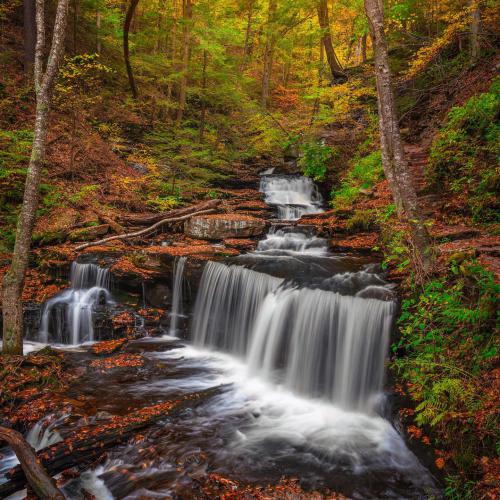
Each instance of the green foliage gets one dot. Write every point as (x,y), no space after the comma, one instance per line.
(464,155)
(365,172)
(84,194)
(448,343)
(362,220)
(315,158)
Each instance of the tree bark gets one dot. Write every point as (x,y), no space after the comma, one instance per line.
(13,282)
(98,19)
(475,24)
(247,49)
(395,166)
(41,483)
(268,54)
(126,50)
(203,95)
(29,14)
(187,14)
(324,23)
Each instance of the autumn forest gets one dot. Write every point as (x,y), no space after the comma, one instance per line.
(249,249)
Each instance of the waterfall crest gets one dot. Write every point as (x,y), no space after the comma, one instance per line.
(317,343)
(67,318)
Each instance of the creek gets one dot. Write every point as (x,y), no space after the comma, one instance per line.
(296,339)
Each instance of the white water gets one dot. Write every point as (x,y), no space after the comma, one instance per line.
(177,282)
(293,196)
(280,240)
(67,318)
(315,342)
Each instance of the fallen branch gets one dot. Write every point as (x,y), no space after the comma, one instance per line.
(41,483)
(87,444)
(147,219)
(143,232)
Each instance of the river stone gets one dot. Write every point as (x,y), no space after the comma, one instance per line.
(222,226)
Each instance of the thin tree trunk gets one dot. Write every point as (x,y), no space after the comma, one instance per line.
(203,95)
(363,48)
(44,86)
(268,53)
(126,51)
(187,13)
(248,34)
(395,166)
(29,36)
(474,29)
(173,47)
(98,31)
(324,23)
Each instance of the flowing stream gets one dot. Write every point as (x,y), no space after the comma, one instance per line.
(294,337)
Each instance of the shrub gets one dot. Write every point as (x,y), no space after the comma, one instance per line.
(315,158)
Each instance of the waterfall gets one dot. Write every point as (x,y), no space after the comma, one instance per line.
(288,241)
(293,196)
(177,282)
(317,343)
(67,318)
(227,305)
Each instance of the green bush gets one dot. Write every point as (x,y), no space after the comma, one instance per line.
(464,155)
(365,172)
(315,159)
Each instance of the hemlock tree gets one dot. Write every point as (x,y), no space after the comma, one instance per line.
(393,158)
(13,282)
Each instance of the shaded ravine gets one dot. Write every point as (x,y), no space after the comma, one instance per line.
(296,339)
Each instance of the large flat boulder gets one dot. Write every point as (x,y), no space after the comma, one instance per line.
(223,226)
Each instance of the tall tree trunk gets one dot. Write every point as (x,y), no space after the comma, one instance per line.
(29,9)
(247,50)
(126,51)
(475,24)
(268,53)
(363,48)
(13,282)
(172,48)
(395,166)
(187,13)
(203,95)
(98,20)
(326,38)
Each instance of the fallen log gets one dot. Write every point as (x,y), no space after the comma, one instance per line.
(143,232)
(117,228)
(36,476)
(147,219)
(88,443)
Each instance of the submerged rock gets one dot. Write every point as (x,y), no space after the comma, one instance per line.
(222,226)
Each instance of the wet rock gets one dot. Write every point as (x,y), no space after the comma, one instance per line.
(223,226)
(157,294)
(89,233)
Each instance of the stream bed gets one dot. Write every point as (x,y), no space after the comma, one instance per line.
(294,338)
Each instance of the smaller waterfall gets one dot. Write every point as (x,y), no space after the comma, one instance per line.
(177,282)
(67,318)
(280,240)
(293,196)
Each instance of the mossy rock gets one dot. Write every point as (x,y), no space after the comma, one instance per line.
(88,233)
(49,237)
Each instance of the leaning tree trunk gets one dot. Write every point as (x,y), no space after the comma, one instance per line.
(29,36)
(395,166)
(44,85)
(333,61)
(126,50)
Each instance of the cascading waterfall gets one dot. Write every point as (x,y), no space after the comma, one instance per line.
(67,318)
(177,280)
(293,196)
(278,240)
(317,343)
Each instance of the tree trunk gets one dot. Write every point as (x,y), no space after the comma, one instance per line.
(98,31)
(395,166)
(203,95)
(247,50)
(41,483)
(475,24)
(13,283)
(268,54)
(187,14)
(363,48)
(126,51)
(29,36)
(326,38)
